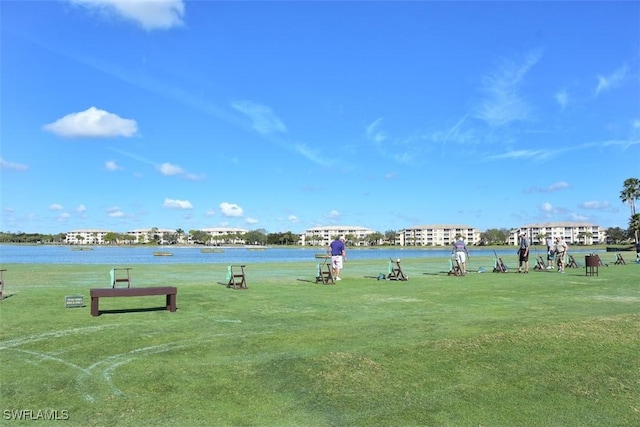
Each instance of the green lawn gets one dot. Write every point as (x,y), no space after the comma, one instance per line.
(538,349)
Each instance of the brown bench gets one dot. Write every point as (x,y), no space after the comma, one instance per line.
(169,291)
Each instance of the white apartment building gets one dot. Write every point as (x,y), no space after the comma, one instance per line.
(437,235)
(322,236)
(580,233)
(228,235)
(87,236)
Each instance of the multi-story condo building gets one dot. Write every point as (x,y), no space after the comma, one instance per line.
(88,236)
(580,233)
(322,236)
(227,235)
(437,235)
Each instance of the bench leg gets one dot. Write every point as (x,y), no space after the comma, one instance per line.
(94,306)
(171,302)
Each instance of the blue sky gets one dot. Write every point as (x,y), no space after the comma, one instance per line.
(289,115)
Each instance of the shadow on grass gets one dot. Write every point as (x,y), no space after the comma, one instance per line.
(132,310)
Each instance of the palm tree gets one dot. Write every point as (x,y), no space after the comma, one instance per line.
(629,194)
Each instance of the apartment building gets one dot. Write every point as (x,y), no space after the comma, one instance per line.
(580,233)
(322,236)
(226,235)
(437,235)
(89,236)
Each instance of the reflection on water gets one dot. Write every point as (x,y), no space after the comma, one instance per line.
(43,254)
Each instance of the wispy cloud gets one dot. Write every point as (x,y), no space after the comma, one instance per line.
(12,166)
(312,154)
(166,168)
(92,123)
(596,205)
(55,207)
(251,221)
(522,154)
(504,104)
(562,97)
(373,132)
(333,214)
(613,80)
(115,212)
(560,185)
(150,15)
(262,117)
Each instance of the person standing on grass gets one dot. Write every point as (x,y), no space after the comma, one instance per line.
(523,253)
(560,248)
(550,253)
(338,256)
(462,253)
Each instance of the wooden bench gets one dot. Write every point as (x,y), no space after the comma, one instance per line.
(169,291)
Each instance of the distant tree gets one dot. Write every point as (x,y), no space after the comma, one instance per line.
(111,238)
(199,236)
(629,194)
(634,226)
(616,235)
(254,237)
(495,236)
(374,238)
(390,236)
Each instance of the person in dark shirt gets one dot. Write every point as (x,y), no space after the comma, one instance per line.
(523,253)
(338,256)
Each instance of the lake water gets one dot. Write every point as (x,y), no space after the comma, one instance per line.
(44,254)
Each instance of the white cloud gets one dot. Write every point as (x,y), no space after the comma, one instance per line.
(251,221)
(231,210)
(177,204)
(264,120)
(613,80)
(211,212)
(594,204)
(55,207)
(577,217)
(115,212)
(81,208)
(292,218)
(547,207)
(92,123)
(112,166)
(150,15)
(333,214)
(169,169)
(12,166)
(560,185)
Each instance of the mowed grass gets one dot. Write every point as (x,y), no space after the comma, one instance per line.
(486,349)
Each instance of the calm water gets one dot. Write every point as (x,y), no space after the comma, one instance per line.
(42,254)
